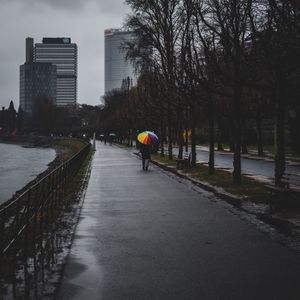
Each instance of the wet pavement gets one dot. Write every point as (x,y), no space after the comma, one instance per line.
(262,168)
(145,235)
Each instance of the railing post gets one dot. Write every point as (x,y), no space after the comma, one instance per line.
(52,194)
(17,215)
(94,141)
(2,232)
(47,199)
(41,207)
(37,203)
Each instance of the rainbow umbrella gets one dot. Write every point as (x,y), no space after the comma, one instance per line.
(147,138)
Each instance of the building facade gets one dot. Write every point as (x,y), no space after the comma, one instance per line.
(117,68)
(36,80)
(63,54)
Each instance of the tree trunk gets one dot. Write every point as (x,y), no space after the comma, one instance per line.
(211,163)
(193,139)
(135,138)
(237,169)
(193,147)
(131,137)
(128,137)
(219,135)
(260,149)
(279,141)
(187,129)
(170,140)
(244,138)
(180,136)
(162,138)
(186,140)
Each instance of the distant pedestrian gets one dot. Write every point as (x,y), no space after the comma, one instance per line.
(146,155)
(110,139)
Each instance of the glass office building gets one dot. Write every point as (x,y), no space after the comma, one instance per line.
(117,68)
(36,80)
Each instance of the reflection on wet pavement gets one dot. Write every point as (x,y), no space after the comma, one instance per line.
(32,268)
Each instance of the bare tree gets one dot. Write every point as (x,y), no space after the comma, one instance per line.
(223,28)
(276,33)
(157,25)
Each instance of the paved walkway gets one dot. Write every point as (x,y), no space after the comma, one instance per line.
(143,235)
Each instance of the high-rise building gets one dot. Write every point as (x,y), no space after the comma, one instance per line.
(117,68)
(36,80)
(63,54)
(29,50)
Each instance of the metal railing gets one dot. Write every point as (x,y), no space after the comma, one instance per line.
(38,205)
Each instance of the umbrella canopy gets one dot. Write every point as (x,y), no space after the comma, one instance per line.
(147,138)
(112,134)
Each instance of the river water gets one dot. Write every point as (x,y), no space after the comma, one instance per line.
(19,165)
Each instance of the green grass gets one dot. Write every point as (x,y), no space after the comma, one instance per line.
(164,159)
(253,190)
(83,169)
(70,146)
(267,148)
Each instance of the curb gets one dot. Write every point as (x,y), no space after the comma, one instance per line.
(233,199)
(265,158)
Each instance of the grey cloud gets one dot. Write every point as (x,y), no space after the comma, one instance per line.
(32,4)
(110,6)
(65,4)
(83,20)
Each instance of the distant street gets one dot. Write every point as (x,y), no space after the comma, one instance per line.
(262,169)
(144,235)
(256,167)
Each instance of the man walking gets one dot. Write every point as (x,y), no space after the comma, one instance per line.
(146,156)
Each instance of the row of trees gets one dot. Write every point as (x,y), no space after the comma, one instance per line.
(10,120)
(46,118)
(230,63)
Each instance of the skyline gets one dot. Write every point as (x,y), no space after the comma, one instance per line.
(83,21)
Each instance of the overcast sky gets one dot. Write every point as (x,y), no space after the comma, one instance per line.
(82,20)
